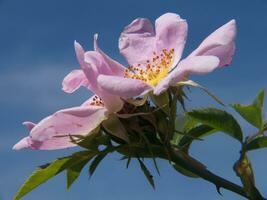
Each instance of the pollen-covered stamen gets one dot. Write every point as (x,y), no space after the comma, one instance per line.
(97,101)
(153,70)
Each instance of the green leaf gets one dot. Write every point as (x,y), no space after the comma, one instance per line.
(147,173)
(77,162)
(259,100)
(95,163)
(219,120)
(89,141)
(265,126)
(92,143)
(194,84)
(48,171)
(74,172)
(196,132)
(40,176)
(162,125)
(180,122)
(253,112)
(257,143)
(114,126)
(189,123)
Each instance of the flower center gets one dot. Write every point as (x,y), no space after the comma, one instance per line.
(97,101)
(154,70)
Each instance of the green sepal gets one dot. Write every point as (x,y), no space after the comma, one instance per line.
(95,163)
(194,84)
(147,173)
(162,101)
(114,126)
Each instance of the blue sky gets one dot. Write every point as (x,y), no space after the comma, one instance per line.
(36,52)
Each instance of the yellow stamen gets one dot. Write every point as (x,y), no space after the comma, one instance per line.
(154,70)
(97,101)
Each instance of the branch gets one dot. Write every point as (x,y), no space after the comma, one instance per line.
(191,165)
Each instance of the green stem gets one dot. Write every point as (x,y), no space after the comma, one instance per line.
(191,165)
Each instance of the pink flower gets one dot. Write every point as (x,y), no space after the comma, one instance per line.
(94,63)
(54,131)
(154,55)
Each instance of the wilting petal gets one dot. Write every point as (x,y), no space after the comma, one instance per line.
(74,80)
(29,125)
(124,87)
(220,43)
(137,41)
(171,32)
(72,121)
(193,65)
(51,144)
(115,67)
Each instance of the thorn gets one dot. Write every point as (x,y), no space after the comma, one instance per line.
(218,190)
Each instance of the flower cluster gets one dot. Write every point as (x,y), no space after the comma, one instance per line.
(154,55)
(134,110)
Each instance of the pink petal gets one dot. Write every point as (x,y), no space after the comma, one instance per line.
(171,32)
(193,65)
(96,66)
(90,70)
(112,102)
(79,53)
(54,131)
(51,144)
(29,125)
(23,143)
(124,87)
(115,67)
(137,41)
(74,80)
(220,43)
(72,121)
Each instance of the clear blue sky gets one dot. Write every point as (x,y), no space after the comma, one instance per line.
(36,52)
